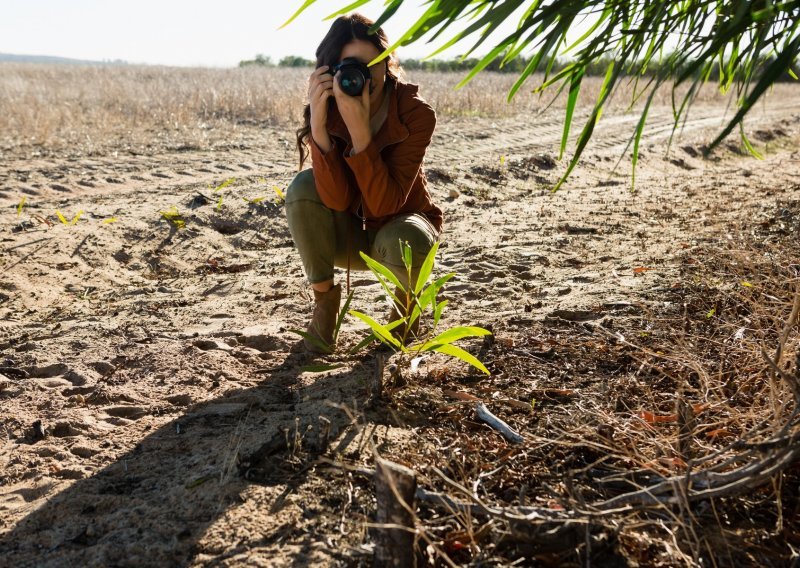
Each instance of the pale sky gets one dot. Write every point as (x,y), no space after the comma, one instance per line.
(181,32)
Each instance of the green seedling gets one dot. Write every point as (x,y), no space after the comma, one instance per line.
(174,218)
(223,185)
(21,205)
(339,319)
(219,203)
(420,299)
(279,193)
(64,219)
(254,201)
(110,220)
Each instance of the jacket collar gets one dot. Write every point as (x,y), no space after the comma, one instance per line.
(393,130)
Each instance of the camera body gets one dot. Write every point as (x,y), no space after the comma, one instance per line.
(354,75)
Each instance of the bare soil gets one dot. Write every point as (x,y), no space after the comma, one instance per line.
(149,372)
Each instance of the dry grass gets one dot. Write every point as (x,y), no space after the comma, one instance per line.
(54,109)
(679,388)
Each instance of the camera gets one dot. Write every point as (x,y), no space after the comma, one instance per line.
(354,75)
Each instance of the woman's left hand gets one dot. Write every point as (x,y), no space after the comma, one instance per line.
(355,113)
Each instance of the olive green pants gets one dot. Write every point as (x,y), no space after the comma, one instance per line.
(326,238)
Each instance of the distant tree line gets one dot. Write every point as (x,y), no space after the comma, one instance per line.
(288,61)
(517,65)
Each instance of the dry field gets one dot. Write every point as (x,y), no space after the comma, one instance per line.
(155,408)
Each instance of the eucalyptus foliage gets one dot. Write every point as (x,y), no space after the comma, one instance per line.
(752,43)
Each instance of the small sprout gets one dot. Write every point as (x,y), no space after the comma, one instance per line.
(502,160)
(173,217)
(279,193)
(711,313)
(21,205)
(223,185)
(746,284)
(110,220)
(255,200)
(219,203)
(64,219)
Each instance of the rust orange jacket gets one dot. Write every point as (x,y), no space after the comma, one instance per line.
(385,179)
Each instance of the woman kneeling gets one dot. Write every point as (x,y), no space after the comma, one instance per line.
(366,190)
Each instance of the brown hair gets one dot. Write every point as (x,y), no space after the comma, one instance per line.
(344,30)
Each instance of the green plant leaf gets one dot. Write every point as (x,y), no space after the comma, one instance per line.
(426,268)
(459,353)
(302,9)
(382,332)
(313,339)
(380,270)
(224,184)
(363,343)
(342,314)
(437,313)
(572,99)
(408,257)
(429,294)
(454,334)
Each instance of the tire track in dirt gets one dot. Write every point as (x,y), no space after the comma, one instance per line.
(59,178)
(487,138)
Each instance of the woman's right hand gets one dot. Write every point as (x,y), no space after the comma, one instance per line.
(320,87)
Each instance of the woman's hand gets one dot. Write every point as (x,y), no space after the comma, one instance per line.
(355,113)
(320,87)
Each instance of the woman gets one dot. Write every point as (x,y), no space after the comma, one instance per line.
(366,190)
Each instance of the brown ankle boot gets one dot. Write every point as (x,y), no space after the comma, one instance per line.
(323,322)
(398,312)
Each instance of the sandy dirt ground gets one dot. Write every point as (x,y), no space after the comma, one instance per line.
(146,369)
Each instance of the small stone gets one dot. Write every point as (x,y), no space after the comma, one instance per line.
(454,193)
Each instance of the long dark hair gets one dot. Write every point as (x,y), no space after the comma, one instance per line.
(344,30)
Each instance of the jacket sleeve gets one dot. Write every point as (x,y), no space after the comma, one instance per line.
(331,176)
(386,183)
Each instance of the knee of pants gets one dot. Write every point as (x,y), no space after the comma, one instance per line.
(411,230)
(302,188)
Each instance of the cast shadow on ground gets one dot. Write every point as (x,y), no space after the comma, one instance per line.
(151,506)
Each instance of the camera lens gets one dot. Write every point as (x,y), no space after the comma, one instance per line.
(353,75)
(352,81)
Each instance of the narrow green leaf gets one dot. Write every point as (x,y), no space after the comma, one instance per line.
(429,294)
(224,184)
(313,339)
(302,9)
(347,9)
(379,269)
(638,136)
(572,99)
(387,13)
(454,334)
(437,313)
(426,268)
(768,77)
(363,343)
(408,256)
(382,332)
(459,353)
(342,313)
(747,144)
